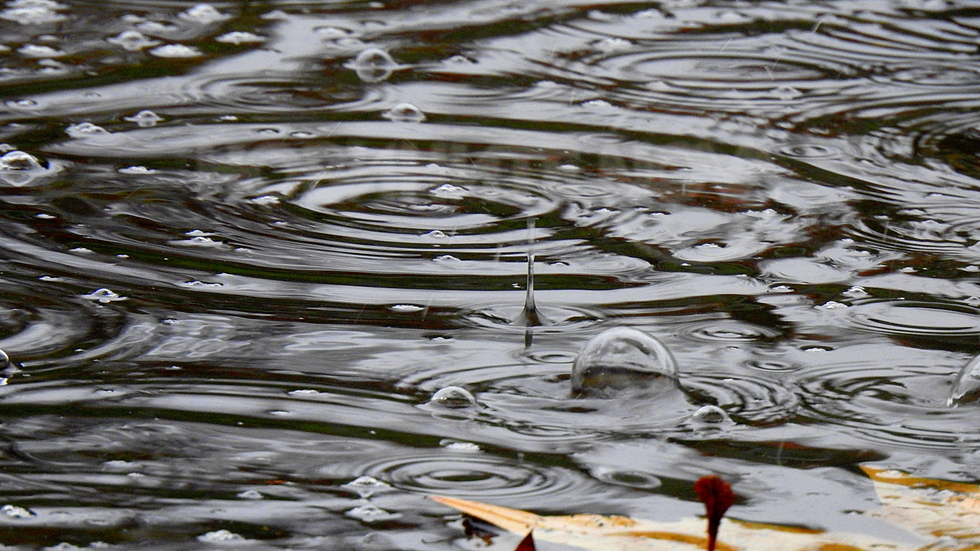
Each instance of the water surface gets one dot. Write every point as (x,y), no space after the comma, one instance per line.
(244,244)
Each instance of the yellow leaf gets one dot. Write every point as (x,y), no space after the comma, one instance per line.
(617,533)
(930,508)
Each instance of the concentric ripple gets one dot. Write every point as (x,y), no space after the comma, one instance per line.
(929,321)
(471,473)
(887,399)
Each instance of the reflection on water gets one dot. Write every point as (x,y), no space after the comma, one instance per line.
(264,264)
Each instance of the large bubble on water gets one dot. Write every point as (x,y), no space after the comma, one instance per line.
(20,169)
(622,359)
(966,388)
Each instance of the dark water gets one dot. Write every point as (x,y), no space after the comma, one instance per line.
(242,245)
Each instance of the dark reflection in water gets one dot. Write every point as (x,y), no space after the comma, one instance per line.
(244,246)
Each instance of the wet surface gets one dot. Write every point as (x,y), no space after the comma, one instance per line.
(263,265)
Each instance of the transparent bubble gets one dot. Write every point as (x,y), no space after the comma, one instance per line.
(367,486)
(453,397)
(133,41)
(623,358)
(34,12)
(18,160)
(239,37)
(4,360)
(145,118)
(20,169)
(371,513)
(220,536)
(966,388)
(373,65)
(104,296)
(86,129)
(404,112)
(12,511)
(203,14)
(38,51)
(711,415)
(176,51)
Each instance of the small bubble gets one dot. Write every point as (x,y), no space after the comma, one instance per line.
(35,51)
(404,112)
(406,308)
(176,51)
(203,14)
(145,118)
(447,259)
(453,397)
(200,241)
(371,513)
(856,292)
(373,65)
(447,190)
(712,415)
(26,103)
(86,129)
(465,447)
(250,494)
(239,37)
(133,41)
(34,12)
(610,45)
(12,511)
(219,536)
(304,392)
(265,200)
(786,93)
(436,234)
(331,33)
(4,360)
(136,170)
(367,486)
(19,161)
(104,296)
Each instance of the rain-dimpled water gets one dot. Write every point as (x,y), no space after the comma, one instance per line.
(272,273)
